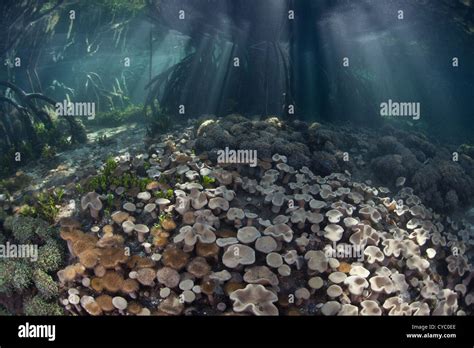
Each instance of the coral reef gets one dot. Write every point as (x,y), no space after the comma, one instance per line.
(37,306)
(170,231)
(383,155)
(269,240)
(24,275)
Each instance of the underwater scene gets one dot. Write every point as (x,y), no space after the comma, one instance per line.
(236,157)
